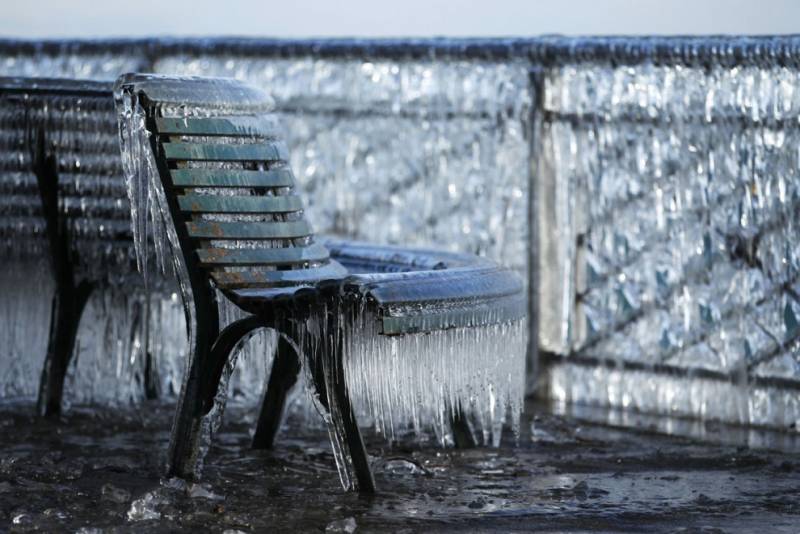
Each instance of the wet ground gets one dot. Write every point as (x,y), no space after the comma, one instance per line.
(99,470)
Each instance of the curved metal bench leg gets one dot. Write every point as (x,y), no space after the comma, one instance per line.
(462,433)
(328,376)
(70,298)
(228,340)
(348,431)
(282,377)
(198,396)
(184,454)
(150,376)
(68,305)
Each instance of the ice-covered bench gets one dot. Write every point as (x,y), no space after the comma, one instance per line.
(442,327)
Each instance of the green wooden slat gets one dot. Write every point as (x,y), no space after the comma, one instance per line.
(248,230)
(224,152)
(256,278)
(261,256)
(231,178)
(239,204)
(212,126)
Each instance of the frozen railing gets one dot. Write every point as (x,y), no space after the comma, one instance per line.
(669,267)
(652,181)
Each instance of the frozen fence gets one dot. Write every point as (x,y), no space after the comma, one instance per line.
(667,208)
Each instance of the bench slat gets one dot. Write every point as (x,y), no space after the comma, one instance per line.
(511,308)
(213,126)
(223,152)
(220,257)
(255,278)
(231,178)
(248,230)
(239,204)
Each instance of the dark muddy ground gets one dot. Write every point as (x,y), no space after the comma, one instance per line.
(99,470)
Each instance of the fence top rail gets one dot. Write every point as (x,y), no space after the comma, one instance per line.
(55,86)
(542,50)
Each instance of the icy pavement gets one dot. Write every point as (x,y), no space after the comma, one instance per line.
(99,471)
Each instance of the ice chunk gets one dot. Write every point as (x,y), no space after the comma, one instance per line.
(342,526)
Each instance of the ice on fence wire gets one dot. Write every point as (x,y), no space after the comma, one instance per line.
(65,63)
(677,194)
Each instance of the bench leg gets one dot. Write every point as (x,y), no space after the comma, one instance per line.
(462,433)
(196,417)
(151,385)
(70,298)
(141,326)
(68,305)
(184,453)
(351,455)
(282,377)
(348,432)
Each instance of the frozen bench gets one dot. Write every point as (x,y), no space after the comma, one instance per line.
(238,233)
(63,200)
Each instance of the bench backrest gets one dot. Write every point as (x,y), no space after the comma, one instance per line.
(227,181)
(75,122)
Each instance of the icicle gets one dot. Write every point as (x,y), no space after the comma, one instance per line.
(418,380)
